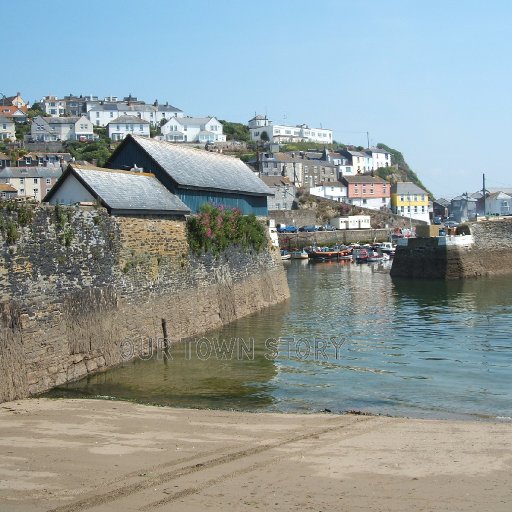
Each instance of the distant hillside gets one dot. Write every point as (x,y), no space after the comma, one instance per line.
(235,131)
(401,170)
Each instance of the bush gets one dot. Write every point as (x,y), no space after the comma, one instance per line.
(215,228)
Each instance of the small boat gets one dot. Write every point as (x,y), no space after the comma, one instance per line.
(361,255)
(334,253)
(285,255)
(299,255)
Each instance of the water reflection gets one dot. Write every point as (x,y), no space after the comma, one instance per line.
(350,338)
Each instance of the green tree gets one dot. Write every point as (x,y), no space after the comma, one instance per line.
(264,136)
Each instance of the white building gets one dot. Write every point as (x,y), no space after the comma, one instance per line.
(7,129)
(335,191)
(119,128)
(103,113)
(498,203)
(380,157)
(193,129)
(285,133)
(352,222)
(47,129)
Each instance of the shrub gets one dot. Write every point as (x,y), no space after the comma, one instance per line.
(215,228)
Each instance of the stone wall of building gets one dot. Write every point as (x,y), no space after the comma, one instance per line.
(81,291)
(490,255)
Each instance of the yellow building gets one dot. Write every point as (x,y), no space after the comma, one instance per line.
(409,200)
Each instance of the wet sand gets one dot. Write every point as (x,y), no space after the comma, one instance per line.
(93,455)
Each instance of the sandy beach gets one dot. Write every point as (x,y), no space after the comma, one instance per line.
(93,455)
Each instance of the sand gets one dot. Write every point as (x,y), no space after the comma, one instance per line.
(94,455)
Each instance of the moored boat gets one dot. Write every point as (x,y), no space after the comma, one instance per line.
(299,255)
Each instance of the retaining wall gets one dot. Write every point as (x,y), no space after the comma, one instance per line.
(86,291)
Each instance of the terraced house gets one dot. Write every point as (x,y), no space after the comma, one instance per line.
(48,129)
(409,200)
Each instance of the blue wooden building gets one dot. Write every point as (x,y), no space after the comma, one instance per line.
(194,175)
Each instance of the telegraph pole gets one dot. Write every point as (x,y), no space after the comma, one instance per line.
(483,192)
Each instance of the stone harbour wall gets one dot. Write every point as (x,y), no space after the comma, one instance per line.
(490,255)
(81,291)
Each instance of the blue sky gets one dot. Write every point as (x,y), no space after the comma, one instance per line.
(430,78)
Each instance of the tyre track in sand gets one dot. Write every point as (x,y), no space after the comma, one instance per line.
(201,463)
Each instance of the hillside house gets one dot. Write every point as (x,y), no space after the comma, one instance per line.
(193,129)
(7,129)
(120,127)
(31,182)
(409,200)
(48,129)
(367,191)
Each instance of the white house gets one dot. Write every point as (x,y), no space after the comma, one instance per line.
(119,128)
(53,106)
(498,203)
(380,157)
(102,113)
(47,129)
(193,129)
(284,133)
(7,129)
(335,191)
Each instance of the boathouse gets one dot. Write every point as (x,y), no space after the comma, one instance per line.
(194,175)
(120,192)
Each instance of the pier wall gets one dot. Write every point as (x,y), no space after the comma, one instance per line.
(81,291)
(489,255)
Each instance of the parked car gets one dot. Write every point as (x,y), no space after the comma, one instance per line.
(308,228)
(437,220)
(287,229)
(327,227)
(451,224)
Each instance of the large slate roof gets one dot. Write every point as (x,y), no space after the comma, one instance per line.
(31,172)
(125,190)
(196,168)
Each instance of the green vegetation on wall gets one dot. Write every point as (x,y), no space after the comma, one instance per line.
(235,131)
(215,228)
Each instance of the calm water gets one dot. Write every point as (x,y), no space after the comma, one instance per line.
(351,338)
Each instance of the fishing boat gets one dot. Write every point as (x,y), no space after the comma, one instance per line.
(285,255)
(299,255)
(331,253)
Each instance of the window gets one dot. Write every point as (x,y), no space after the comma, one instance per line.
(22,191)
(371,191)
(48,181)
(140,127)
(111,114)
(402,198)
(35,180)
(402,209)
(97,114)
(22,181)
(364,201)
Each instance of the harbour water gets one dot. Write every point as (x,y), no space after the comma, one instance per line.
(350,338)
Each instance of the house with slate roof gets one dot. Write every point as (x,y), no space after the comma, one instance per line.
(47,129)
(120,192)
(31,182)
(7,129)
(193,129)
(120,127)
(409,200)
(194,175)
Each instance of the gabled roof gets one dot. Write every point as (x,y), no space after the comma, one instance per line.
(407,187)
(167,108)
(363,178)
(128,119)
(198,169)
(189,121)
(124,191)
(62,120)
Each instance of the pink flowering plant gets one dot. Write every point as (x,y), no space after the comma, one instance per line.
(215,228)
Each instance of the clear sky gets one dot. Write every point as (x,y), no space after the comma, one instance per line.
(431,78)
